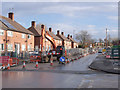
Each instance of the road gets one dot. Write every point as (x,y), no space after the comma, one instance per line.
(73,75)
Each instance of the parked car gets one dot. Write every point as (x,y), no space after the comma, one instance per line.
(99,50)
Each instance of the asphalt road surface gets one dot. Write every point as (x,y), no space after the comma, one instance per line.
(73,75)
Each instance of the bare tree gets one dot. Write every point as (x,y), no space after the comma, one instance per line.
(100,41)
(83,37)
(115,41)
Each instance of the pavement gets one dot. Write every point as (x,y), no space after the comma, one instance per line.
(107,65)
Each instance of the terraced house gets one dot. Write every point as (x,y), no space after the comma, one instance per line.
(44,39)
(13,36)
(74,44)
(65,41)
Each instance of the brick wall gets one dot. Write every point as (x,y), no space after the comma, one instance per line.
(16,38)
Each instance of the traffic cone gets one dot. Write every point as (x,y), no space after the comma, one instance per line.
(72,59)
(36,64)
(24,64)
(51,62)
(3,66)
(76,58)
(8,67)
(68,61)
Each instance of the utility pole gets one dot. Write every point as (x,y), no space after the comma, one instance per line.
(106,38)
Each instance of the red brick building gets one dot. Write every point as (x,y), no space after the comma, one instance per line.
(65,41)
(13,36)
(43,39)
(74,44)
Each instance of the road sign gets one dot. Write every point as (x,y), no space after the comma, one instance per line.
(104,50)
(62,59)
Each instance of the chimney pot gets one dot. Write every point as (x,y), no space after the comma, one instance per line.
(50,29)
(62,33)
(68,35)
(42,26)
(33,24)
(58,32)
(11,16)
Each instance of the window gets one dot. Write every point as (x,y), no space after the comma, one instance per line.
(29,36)
(23,47)
(29,48)
(10,47)
(1,32)
(1,47)
(23,35)
(10,33)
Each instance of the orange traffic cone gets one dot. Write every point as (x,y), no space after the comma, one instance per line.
(36,64)
(51,62)
(3,66)
(72,59)
(24,64)
(8,67)
(68,61)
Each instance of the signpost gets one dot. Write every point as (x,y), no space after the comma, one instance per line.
(62,59)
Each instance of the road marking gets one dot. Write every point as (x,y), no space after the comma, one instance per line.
(91,84)
(86,84)
(82,83)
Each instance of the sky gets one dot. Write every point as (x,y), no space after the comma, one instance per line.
(68,17)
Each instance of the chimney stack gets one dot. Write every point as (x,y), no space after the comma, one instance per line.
(71,36)
(11,16)
(62,33)
(33,24)
(50,29)
(58,32)
(42,26)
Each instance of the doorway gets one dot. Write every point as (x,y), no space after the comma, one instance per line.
(17,48)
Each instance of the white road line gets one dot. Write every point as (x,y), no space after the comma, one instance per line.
(91,84)
(82,83)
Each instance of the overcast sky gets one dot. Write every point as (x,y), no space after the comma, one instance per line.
(69,17)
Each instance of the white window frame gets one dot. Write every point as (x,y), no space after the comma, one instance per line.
(1,32)
(23,35)
(23,49)
(29,47)
(10,46)
(10,33)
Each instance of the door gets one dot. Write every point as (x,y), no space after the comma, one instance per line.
(17,48)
